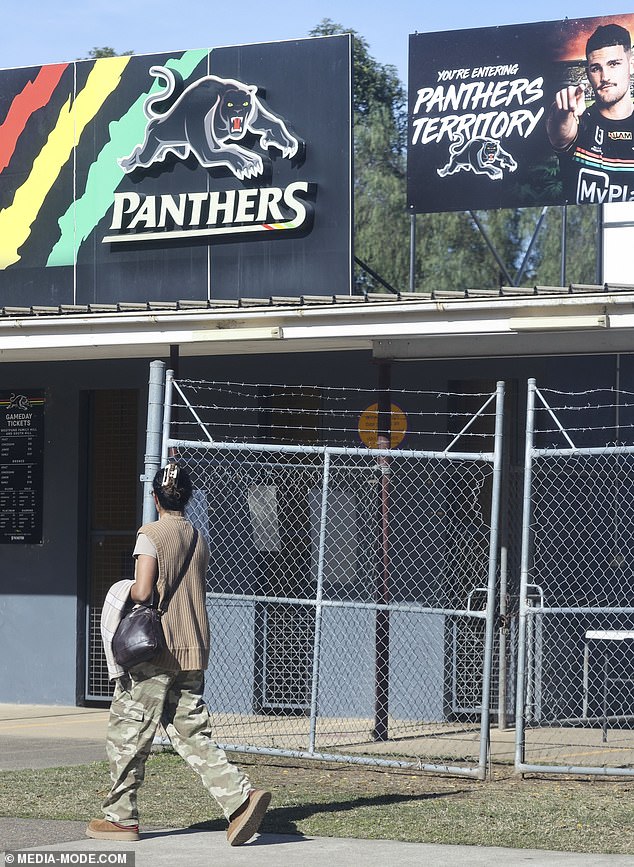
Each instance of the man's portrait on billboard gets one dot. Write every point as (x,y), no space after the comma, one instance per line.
(590,123)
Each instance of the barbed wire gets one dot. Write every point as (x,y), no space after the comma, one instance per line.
(325,413)
(278,427)
(281,410)
(275,412)
(268,400)
(286,388)
(610,390)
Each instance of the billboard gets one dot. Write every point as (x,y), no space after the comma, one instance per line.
(221,173)
(521,116)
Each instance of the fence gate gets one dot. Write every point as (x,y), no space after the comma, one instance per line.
(575,692)
(351,590)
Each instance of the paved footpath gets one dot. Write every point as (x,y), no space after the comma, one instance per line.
(189,847)
(35,737)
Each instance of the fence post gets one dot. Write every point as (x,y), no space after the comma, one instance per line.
(167,415)
(153,436)
(525,568)
(503,625)
(492,578)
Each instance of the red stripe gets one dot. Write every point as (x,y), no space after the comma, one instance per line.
(35,95)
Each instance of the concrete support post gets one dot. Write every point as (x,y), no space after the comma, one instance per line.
(154,430)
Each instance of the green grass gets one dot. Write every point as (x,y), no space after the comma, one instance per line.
(355,801)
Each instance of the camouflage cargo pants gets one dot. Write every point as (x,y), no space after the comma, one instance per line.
(147,696)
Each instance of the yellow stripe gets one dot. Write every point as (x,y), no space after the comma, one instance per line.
(17,219)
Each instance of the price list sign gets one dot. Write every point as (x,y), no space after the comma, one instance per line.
(21,466)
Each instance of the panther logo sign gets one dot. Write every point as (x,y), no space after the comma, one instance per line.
(18,401)
(481,155)
(207,120)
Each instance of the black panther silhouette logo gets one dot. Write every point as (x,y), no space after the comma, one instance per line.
(206,120)
(482,155)
(18,401)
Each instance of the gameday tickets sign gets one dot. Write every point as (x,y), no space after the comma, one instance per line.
(479,102)
(212,173)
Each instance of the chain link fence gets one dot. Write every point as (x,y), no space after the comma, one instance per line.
(351,589)
(575,695)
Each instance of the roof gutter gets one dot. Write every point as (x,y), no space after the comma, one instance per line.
(306,328)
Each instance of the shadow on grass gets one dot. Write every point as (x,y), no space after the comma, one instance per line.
(283,820)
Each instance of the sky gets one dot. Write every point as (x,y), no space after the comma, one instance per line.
(36,32)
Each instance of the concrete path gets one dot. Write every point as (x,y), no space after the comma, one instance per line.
(194,848)
(33,736)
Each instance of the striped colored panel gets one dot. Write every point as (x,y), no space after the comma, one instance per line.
(105,175)
(587,158)
(34,95)
(17,220)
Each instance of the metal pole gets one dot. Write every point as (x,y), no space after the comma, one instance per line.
(564,244)
(493,548)
(412,253)
(523,607)
(600,239)
(174,366)
(318,606)
(153,436)
(529,249)
(167,415)
(503,632)
(382,628)
(605,695)
(492,249)
(530,697)
(586,679)
(617,408)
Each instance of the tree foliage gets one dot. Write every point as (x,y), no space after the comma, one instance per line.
(582,235)
(97,53)
(381,227)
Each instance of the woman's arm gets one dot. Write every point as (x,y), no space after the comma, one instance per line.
(145,575)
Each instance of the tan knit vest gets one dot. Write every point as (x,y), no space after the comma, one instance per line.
(185,622)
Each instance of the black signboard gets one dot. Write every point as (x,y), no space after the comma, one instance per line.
(200,174)
(21,466)
(518,116)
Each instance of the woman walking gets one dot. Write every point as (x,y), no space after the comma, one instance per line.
(169,688)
